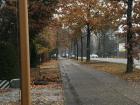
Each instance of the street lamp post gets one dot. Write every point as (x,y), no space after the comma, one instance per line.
(24,53)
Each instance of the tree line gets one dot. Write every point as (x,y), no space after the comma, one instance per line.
(55,23)
(40,14)
(99,16)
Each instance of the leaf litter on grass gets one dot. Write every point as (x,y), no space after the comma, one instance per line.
(50,94)
(115,69)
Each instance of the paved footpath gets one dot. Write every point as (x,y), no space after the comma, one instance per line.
(85,86)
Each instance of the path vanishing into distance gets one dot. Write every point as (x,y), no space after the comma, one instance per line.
(85,86)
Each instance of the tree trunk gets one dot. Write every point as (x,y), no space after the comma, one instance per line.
(74,49)
(57,52)
(130,61)
(81,48)
(88,43)
(99,46)
(57,49)
(104,46)
(65,53)
(71,50)
(77,47)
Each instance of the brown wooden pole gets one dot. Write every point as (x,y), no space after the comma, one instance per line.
(24,52)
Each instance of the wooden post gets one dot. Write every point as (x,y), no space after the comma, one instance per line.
(24,53)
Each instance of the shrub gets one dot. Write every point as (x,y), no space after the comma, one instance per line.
(9,66)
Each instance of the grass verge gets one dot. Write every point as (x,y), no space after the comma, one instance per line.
(115,69)
(48,71)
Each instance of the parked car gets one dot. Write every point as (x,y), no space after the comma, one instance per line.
(65,55)
(72,56)
(53,56)
(94,56)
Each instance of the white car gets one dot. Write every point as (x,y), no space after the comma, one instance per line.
(72,55)
(94,56)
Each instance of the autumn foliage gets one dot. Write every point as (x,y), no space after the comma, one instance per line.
(98,16)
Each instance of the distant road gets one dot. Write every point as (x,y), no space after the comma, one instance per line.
(118,60)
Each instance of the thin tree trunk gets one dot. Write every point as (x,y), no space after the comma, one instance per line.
(99,47)
(88,43)
(71,50)
(104,46)
(57,45)
(57,52)
(65,53)
(81,48)
(74,50)
(77,47)
(130,61)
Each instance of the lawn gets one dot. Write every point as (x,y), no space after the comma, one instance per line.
(52,92)
(49,94)
(48,71)
(115,69)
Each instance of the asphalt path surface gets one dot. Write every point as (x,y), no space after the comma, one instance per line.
(85,86)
